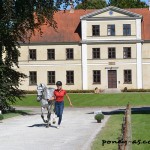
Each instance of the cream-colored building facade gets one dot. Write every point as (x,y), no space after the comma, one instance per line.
(112,53)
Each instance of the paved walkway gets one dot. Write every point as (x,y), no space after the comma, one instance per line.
(77,131)
(28,132)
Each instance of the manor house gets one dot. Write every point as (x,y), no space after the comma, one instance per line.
(107,48)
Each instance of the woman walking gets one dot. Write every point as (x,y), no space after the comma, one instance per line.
(59,94)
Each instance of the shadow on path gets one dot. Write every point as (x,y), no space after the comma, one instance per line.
(41,125)
(138,110)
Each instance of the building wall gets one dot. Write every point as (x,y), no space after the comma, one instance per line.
(104,76)
(60,75)
(119,52)
(146,65)
(85,67)
(118,29)
(60,52)
(60,65)
(119,64)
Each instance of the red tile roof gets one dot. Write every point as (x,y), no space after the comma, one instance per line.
(69,27)
(145,12)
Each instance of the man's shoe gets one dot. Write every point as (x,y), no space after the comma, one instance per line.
(58,126)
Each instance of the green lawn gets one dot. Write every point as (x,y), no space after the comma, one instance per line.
(140,131)
(92,100)
(110,132)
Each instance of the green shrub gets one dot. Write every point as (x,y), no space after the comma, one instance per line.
(99,117)
(1,117)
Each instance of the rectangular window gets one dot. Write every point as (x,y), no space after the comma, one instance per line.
(69,53)
(32,54)
(111,30)
(126,52)
(32,78)
(126,29)
(69,77)
(127,76)
(96,76)
(111,53)
(51,77)
(95,30)
(51,54)
(96,53)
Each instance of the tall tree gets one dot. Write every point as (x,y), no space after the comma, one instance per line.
(128,3)
(18,21)
(92,4)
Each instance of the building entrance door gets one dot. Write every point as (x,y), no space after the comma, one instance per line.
(112,79)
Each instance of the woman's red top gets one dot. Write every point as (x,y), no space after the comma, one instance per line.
(59,95)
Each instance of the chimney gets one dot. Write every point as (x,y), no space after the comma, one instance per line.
(71,7)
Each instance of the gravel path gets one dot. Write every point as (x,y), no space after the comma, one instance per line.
(77,131)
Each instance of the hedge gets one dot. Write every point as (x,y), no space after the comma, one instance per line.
(135,90)
(68,91)
(92,91)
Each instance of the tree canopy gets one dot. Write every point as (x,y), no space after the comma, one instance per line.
(18,21)
(98,4)
(128,3)
(92,4)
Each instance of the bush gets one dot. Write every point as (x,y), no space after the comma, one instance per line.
(99,117)
(1,117)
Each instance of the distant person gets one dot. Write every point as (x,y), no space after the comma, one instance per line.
(59,94)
